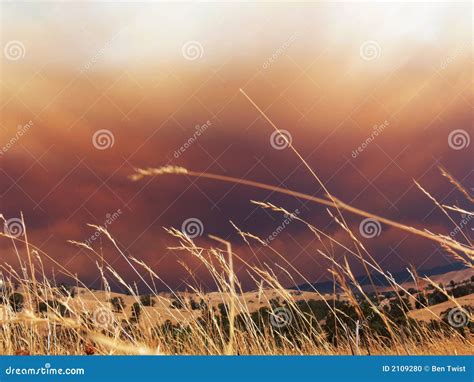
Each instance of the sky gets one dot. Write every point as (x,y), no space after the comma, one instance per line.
(373,96)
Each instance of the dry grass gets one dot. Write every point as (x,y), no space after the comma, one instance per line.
(85,323)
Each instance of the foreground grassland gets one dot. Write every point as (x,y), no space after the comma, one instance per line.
(421,316)
(77,320)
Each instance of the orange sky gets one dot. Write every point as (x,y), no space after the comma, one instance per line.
(149,74)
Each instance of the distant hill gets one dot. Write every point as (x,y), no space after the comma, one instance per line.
(380,281)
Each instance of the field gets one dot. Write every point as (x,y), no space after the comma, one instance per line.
(421,316)
(236,178)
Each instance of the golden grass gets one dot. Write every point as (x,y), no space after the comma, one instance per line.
(81,331)
(86,324)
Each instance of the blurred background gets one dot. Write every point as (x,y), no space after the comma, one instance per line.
(373,95)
